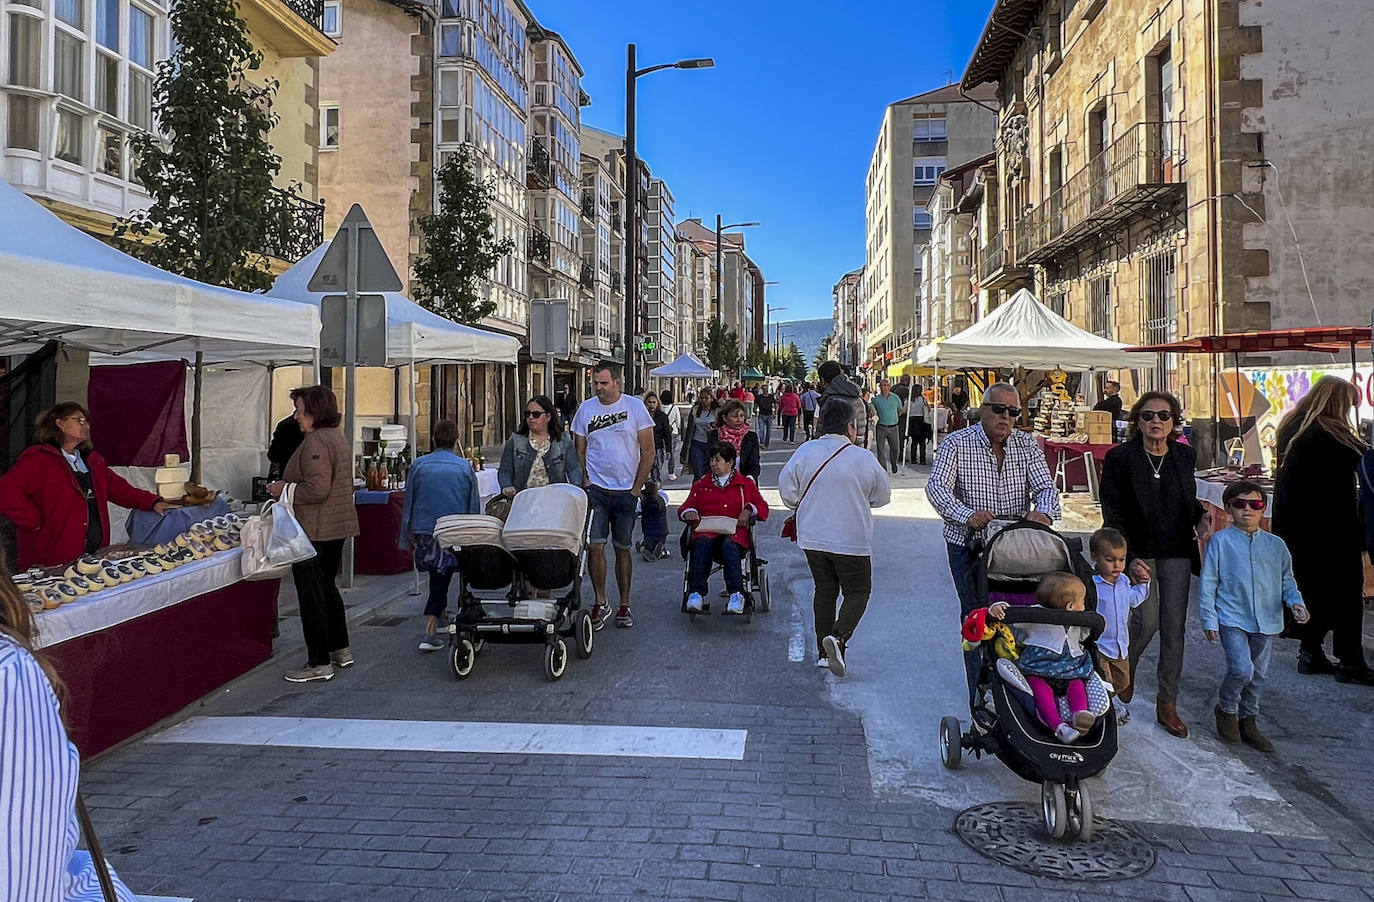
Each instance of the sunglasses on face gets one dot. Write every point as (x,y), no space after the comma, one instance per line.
(534,414)
(1004,410)
(1255,504)
(1163,416)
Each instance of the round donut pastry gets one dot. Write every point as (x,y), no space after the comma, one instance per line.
(138,567)
(199,549)
(220,523)
(82,585)
(159,548)
(182,541)
(68,592)
(222,543)
(88,564)
(70,572)
(111,575)
(185,555)
(97,582)
(153,564)
(52,597)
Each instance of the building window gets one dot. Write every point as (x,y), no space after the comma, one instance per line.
(69,11)
(107,83)
(333,16)
(110,149)
(329,127)
(24,122)
(66,66)
(1100,306)
(69,126)
(1161,313)
(140,37)
(141,100)
(929,130)
(450,10)
(107,23)
(450,40)
(928,172)
(922,219)
(26,51)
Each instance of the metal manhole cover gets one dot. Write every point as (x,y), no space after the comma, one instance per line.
(384,621)
(1013,833)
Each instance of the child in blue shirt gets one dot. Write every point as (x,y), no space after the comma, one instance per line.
(1247,578)
(653,522)
(1117,596)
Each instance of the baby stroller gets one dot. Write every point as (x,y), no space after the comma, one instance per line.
(541,546)
(757,593)
(1004,722)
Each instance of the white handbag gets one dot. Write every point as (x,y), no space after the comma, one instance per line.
(273,540)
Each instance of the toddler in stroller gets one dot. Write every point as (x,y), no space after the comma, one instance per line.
(653,523)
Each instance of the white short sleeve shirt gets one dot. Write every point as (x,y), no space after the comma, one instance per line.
(612,434)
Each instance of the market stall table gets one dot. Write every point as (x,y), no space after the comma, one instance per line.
(1070,454)
(379,528)
(134,654)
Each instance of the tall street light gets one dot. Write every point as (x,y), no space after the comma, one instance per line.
(632,75)
(720,269)
(768,311)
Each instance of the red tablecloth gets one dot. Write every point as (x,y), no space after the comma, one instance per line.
(375,552)
(1072,453)
(121,680)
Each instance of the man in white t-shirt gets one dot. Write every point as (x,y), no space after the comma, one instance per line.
(615,442)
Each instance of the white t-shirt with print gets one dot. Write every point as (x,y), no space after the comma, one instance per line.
(612,434)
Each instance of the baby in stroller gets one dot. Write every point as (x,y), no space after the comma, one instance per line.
(1050,654)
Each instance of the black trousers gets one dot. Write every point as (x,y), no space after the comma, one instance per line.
(836,575)
(322,607)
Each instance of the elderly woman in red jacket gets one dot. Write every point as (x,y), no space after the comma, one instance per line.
(55,494)
(721,495)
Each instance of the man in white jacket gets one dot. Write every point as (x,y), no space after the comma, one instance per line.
(833,487)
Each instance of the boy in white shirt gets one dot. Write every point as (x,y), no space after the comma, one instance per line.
(1116,596)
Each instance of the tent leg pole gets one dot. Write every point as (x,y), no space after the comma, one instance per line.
(935,412)
(414,408)
(196,389)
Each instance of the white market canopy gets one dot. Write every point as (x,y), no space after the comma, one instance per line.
(413,333)
(65,285)
(687,366)
(1024,332)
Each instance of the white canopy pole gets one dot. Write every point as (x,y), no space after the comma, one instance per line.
(935,409)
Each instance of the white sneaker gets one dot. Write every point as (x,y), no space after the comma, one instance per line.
(1065,733)
(823,662)
(694,602)
(736,605)
(835,652)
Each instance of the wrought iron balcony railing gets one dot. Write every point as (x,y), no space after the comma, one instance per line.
(587,277)
(992,256)
(615,280)
(541,246)
(296,229)
(539,171)
(615,222)
(311,11)
(589,203)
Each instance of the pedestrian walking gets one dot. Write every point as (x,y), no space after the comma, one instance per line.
(1117,596)
(833,486)
(810,398)
(539,452)
(697,422)
(615,446)
(888,405)
(567,404)
(983,473)
(919,425)
(40,770)
(1247,579)
(663,439)
(440,484)
(835,384)
(320,475)
(789,408)
(732,426)
(765,403)
(902,390)
(1149,495)
(1317,516)
(870,420)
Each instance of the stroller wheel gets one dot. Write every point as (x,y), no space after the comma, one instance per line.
(765,592)
(1055,809)
(585,634)
(461,658)
(478,643)
(555,659)
(1080,813)
(951,746)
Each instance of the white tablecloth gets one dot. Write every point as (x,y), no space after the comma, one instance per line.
(1211,492)
(111,607)
(488,486)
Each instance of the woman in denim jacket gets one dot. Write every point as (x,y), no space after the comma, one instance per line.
(539,452)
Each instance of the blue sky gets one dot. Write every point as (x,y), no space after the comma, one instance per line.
(782,129)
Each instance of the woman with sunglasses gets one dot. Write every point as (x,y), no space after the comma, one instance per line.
(1149,495)
(56,492)
(539,452)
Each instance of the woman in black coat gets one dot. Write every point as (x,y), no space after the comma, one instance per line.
(732,425)
(1317,515)
(1149,494)
(663,438)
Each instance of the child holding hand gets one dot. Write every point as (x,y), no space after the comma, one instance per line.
(1247,578)
(1055,653)
(1116,597)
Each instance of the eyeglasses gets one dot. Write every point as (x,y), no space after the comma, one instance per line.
(1164,416)
(79,419)
(1004,409)
(1255,504)
(534,414)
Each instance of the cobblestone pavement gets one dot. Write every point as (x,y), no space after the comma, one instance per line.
(833,798)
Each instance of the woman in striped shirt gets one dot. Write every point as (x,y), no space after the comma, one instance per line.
(39,770)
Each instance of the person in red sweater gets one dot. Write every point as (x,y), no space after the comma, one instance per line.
(723,492)
(56,492)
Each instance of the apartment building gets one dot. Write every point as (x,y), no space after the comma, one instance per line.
(79,80)
(695,295)
(599,201)
(741,281)
(660,298)
(848,295)
(608,149)
(918,139)
(1155,160)
(946,305)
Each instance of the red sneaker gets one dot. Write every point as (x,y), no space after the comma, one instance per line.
(600,614)
(623,618)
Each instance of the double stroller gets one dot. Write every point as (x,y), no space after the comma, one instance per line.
(1004,721)
(540,548)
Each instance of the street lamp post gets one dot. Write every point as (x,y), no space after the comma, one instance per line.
(720,270)
(631,311)
(767,312)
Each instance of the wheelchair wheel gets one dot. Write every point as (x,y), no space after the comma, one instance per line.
(461,659)
(765,592)
(585,634)
(555,659)
(951,749)
(1054,807)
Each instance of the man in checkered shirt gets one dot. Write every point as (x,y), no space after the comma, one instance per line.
(983,473)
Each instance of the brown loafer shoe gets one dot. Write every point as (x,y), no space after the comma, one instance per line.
(1250,732)
(1166,713)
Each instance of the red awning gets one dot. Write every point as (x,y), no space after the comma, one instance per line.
(1324,339)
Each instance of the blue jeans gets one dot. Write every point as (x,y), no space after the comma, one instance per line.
(765,429)
(963,567)
(699,458)
(1247,665)
(705,548)
(789,427)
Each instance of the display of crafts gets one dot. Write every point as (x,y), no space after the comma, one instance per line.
(45,590)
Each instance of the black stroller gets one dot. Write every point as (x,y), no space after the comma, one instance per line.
(1004,722)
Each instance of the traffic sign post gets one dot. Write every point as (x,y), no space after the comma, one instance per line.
(355,262)
(549,336)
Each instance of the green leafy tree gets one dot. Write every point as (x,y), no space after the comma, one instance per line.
(794,362)
(756,358)
(722,347)
(822,353)
(458,244)
(213,209)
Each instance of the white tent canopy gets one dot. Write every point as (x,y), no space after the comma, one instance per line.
(62,284)
(687,366)
(414,335)
(1024,332)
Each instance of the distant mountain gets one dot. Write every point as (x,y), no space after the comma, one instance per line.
(808,334)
